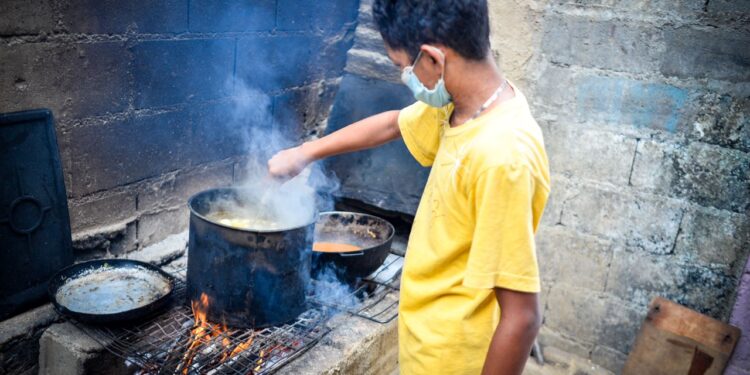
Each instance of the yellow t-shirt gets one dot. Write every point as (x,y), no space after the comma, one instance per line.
(473,231)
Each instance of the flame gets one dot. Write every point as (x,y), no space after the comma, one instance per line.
(204,333)
(259,362)
(241,347)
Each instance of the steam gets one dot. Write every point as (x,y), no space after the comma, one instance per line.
(270,203)
(266,201)
(330,290)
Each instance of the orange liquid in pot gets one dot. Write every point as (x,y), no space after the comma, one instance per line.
(331,247)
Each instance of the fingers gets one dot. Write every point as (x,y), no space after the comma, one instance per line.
(285,165)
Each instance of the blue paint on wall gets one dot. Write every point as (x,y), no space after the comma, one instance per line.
(626,101)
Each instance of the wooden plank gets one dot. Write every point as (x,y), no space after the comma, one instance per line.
(676,340)
(680,320)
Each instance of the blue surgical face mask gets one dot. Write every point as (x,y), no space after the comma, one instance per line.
(437,97)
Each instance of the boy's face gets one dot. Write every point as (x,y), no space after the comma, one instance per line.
(429,67)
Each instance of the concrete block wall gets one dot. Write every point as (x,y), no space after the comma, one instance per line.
(645,110)
(142,92)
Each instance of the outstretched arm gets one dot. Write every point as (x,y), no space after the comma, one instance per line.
(370,132)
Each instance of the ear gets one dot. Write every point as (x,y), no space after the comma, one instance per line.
(434,53)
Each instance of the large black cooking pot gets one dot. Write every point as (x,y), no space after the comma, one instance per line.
(252,278)
(371,234)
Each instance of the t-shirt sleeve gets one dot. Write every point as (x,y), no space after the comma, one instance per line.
(420,128)
(502,251)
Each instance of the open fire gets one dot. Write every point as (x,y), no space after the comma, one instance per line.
(215,341)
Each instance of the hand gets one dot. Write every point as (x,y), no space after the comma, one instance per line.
(288,163)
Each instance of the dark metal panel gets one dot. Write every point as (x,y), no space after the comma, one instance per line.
(35,239)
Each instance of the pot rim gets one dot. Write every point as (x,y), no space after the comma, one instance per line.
(390,237)
(313,220)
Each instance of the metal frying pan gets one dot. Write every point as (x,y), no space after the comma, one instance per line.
(110,290)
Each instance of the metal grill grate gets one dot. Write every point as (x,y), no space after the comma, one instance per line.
(160,345)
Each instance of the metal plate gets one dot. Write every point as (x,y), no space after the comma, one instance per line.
(110,290)
(35,237)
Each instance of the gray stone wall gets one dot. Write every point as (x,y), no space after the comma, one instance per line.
(645,108)
(142,91)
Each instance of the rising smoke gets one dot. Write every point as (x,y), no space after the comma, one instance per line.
(295,202)
(290,203)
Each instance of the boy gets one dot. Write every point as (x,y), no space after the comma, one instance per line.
(471,250)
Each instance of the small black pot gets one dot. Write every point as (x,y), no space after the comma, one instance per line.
(371,233)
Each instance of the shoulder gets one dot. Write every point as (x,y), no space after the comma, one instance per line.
(511,142)
(419,112)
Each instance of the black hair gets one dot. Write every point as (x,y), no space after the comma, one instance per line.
(462,25)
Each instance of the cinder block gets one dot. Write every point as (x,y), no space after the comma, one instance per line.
(113,16)
(552,90)
(88,79)
(153,228)
(647,223)
(372,65)
(714,176)
(19,338)
(721,120)
(368,39)
(589,154)
(174,191)
(695,53)
(551,338)
(575,312)
(620,324)
(297,113)
(609,358)
(105,241)
(702,288)
(20,17)
(276,62)
(89,212)
(225,129)
(326,15)
(232,15)
(595,318)
(710,236)
(653,168)
(573,259)
(624,102)
(176,71)
(709,175)
(613,45)
(66,350)
(124,151)
(333,55)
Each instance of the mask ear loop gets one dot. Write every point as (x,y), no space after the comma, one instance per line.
(439,51)
(446,115)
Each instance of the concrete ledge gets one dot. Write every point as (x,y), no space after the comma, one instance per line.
(66,350)
(19,339)
(354,346)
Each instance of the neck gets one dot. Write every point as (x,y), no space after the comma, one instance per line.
(479,80)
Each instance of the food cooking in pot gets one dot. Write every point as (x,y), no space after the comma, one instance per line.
(332,247)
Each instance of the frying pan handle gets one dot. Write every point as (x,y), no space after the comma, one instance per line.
(352,254)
